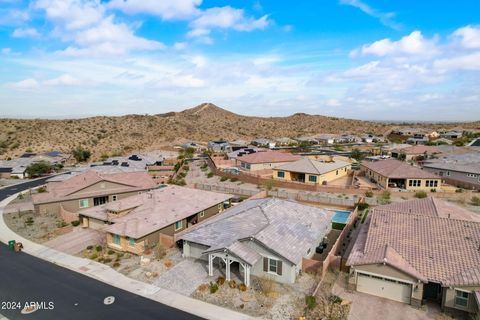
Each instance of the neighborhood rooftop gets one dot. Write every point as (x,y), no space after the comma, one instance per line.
(153,210)
(285,227)
(308,165)
(269,157)
(397,169)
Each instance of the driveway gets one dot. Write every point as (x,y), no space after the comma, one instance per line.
(75,241)
(365,306)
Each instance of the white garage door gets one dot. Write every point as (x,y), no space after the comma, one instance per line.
(386,288)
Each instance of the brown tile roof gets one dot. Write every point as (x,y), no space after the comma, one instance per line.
(269,157)
(427,247)
(396,169)
(153,210)
(420,149)
(431,206)
(307,165)
(65,190)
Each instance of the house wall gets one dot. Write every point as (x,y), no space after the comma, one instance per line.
(259,166)
(381,180)
(94,223)
(423,185)
(448,299)
(328,177)
(5,175)
(124,245)
(457,178)
(194,250)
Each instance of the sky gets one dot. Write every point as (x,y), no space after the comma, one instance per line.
(363,59)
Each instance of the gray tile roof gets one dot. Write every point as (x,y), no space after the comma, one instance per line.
(307,165)
(285,227)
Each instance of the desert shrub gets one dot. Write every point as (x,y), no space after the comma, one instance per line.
(160,251)
(364,217)
(369,194)
(80,154)
(232,284)
(475,201)
(223,179)
(335,299)
(168,264)
(210,175)
(220,280)
(234,179)
(107,260)
(362,206)
(213,287)
(38,169)
(98,248)
(111,251)
(101,259)
(203,287)
(29,221)
(420,194)
(267,285)
(75,223)
(384,197)
(42,189)
(433,190)
(120,255)
(242,287)
(311,302)
(61,224)
(94,256)
(459,190)
(89,247)
(116,264)
(20,196)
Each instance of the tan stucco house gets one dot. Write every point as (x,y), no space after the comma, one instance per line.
(142,221)
(311,171)
(417,251)
(89,189)
(391,173)
(265,160)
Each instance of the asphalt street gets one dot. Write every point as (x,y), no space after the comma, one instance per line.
(65,294)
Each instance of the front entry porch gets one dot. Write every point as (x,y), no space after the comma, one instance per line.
(227,260)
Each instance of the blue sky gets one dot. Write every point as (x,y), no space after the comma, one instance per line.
(366,59)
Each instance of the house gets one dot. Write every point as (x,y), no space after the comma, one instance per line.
(307,140)
(285,141)
(460,170)
(261,237)
(90,189)
(326,138)
(135,161)
(264,160)
(418,251)
(415,152)
(142,221)
(219,146)
(420,139)
(238,144)
(451,134)
(16,168)
(262,142)
(410,132)
(391,173)
(240,153)
(312,171)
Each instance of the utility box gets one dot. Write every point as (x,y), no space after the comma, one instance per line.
(11,244)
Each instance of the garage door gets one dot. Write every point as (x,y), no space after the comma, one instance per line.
(386,288)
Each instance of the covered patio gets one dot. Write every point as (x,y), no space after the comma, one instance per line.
(225,260)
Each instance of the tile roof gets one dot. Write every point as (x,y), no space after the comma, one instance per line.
(269,157)
(285,227)
(65,190)
(428,248)
(421,149)
(392,168)
(312,166)
(153,210)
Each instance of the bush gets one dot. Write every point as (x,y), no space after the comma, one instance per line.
(111,251)
(42,189)
(80,154)
(29,221)
(89,247)
(223,179)
(98,248)
(94,256)
(20,196)
(220,281)
(475,201)
(232,284)
(101,259)
(459,190)
(234,179)
(335,299)
(242,287)
(75,223)
(420,194)
(213,287)
(61,224)
(116,264)
(107,260)
(210,175)
(364,217)
(433,190)
(369,194)
(160,251)
(362,206)
(38,169)
(311,302)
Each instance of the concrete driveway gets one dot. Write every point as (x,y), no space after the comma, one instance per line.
(75,241)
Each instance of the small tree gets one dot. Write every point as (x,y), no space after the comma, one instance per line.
(80,154)
(356,154)
(476,201)
(420,194)
(38,169)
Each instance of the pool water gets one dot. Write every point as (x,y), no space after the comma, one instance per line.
(341,216)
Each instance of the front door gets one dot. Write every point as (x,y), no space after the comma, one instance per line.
(432,291)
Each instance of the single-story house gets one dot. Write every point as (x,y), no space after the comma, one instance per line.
(135,161)
(391,173)
(285,141)
(219,146)
(262,160)
(143,220)
(89,189)
(451,134)
(460,170)
(262,237)
(312,171)
(413,152)
(263,142)
(418,251)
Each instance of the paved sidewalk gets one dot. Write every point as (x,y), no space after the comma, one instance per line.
(108,275)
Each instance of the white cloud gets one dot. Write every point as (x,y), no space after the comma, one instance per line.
(225,18)
(6,50)
(413,44)
(72,14)
(25,33)
(386,18)
(180,45)
(27,84)
(165,9)
(469,36)
(33,84)
(63,80)
(461,62)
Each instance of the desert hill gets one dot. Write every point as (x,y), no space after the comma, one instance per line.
(123,134)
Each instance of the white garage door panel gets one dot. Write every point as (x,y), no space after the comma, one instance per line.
(383,288)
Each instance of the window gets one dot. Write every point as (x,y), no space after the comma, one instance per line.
(431,183)
(448,173)
(114,197)
(131,242)
(414,183)
(202,214)
(272,265)
(178,225)
(281,174)
(461,298)
(99,201)
(116,239)
(84,203)
(247,166)
(312,178)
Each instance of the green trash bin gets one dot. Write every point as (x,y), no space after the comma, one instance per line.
(11,244)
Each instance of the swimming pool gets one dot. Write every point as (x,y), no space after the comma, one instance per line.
(341,216)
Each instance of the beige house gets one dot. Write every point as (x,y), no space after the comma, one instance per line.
(311,171)
(391,173)
(143,220)
(90,189)
(265,160)
(418,251)
(414,152)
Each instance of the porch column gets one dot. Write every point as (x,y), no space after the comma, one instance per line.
(227,275)
(247,276)
(210,265)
